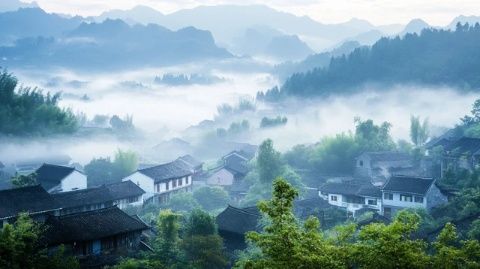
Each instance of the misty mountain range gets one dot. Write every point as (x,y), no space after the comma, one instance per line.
(30,36)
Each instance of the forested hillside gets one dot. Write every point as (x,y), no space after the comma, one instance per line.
(435,57)
(26,111)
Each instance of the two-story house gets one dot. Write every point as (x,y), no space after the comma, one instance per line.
(161,181)
(352,196)
(33,200)
(57,178)
(402,192)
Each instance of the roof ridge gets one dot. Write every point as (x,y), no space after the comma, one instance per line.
(243,210)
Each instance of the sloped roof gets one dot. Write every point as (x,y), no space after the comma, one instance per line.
(190,160)
(346,188)
(32,199)
(464,145)
(83,197)
(124,189)
(239,220)
(387,156)
(412,185)
(91,225)
(50,175)
(166,171)
(236,163)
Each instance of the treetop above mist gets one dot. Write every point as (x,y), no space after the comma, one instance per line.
(435,57)
(27,111)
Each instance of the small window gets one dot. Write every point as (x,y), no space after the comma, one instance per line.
(333,198)
(180,182)
(186,180)
(418,199)
(388,196)
(405,198)
(174,183)
(372,202)
(360,163)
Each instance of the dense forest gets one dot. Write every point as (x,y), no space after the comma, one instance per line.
(27,111)
(435,57)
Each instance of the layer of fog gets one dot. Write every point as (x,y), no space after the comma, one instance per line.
(161,112)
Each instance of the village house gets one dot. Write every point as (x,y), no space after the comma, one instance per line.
(463,153)
(193,164)
(57,178)
(233,223)
(108,231)
(33,200)
(354,196)
(121,194)
(161,181)
(402,192)
(234,168)
(125,194)
(379,166)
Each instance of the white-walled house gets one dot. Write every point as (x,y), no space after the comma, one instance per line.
(160,181)
(352,196)
(57,178)
(402,192)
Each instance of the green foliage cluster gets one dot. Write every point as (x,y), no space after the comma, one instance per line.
(288,243)
(20,248)
(28,112)
(24,180)
(336,155)
(235,129)
(243,105)
(190,243)
(268,165)
(210,199)
(103,171)
(273,122)
(438,57)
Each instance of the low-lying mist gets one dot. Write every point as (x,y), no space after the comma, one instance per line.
(161,112)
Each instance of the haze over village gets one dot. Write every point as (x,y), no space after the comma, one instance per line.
(222,134)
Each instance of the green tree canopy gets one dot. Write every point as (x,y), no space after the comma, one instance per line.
(26,111)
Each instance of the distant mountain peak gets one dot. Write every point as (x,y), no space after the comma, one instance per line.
(415,26)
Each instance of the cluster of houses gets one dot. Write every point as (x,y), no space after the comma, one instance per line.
(90,220)
(385,182)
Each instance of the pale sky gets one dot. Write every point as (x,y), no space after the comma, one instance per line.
(435,12)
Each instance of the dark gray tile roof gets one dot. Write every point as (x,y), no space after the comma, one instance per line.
(90,225)
(124,189)
(166,171)
(346,188)
(50,175)
(239,220)
(412,185)
(236,164)
(464,145)
(191,161)
(31,199)
(90,196)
